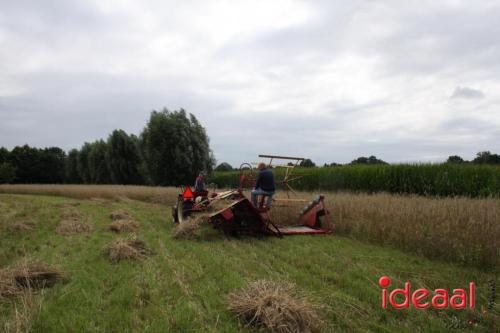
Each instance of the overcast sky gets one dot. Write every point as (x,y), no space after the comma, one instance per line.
(327,80)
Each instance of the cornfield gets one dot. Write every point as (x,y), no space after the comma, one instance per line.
(422,179)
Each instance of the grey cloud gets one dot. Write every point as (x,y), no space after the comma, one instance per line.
(467,93)
(72,72)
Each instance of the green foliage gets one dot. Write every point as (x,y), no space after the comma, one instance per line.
(175,148)
(83,163)
(123,158)
(224,166)
(7,173)
(42,166)
(368,160)
(52,165)
(455,159)
(307,163)
(98,168)
(486,157)
(4,155)
(423,179)
(72,176)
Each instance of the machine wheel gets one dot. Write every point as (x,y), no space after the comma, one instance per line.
(182,210)
(247,175)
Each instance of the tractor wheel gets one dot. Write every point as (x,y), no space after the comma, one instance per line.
(182,210)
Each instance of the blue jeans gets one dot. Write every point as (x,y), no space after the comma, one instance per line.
(258,191)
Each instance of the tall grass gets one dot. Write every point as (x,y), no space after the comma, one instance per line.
(421,179)
(458,229)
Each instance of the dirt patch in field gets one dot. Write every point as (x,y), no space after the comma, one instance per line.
(120,215)
(68,228)
(123,226)
(27,276)
(189,229)
(20,226)
(123,249)
(274,306)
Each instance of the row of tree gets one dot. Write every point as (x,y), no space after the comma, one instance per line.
(171,150)
(307,163)
(484,157)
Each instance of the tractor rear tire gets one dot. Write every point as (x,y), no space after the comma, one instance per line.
(182,210)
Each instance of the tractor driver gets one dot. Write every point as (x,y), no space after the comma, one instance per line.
(199,185)
(264,185)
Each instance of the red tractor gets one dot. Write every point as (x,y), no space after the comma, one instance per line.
(233,213)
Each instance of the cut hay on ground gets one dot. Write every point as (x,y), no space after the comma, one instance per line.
(67,205)
(20,226)
(126,249)
(120,215)
(72,215)
(274,306)
(28,275)
(68,228)
(123,226)
(189,229)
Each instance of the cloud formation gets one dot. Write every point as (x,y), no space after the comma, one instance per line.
(328,80)
(466,92)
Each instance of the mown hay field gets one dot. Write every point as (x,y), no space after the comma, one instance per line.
(159,284)
(458,229)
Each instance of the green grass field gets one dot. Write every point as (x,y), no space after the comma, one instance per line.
(183,286)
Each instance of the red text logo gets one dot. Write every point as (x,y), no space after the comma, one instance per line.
(423,298)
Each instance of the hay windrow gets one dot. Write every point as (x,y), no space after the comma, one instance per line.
(72,215)
(189,229)
(27,276)
(124,249)
(68,228)
(67,205)
(123,226)
(120,215)
(277,307)
(20,226)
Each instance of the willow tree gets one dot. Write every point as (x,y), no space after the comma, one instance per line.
(175,147)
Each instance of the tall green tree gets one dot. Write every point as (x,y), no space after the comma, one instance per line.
(455,159)
(72,176)
(486,157)
(175,148)
(51,165)
(224,166)
(307,163)
(4,155)
(373,160)
(26,161)
(97,166)
(7,173)
(83,163)
(123,158)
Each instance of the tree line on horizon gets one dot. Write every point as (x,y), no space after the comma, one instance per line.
(172,148)
(484,157)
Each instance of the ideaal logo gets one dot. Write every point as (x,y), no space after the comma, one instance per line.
(423,298)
